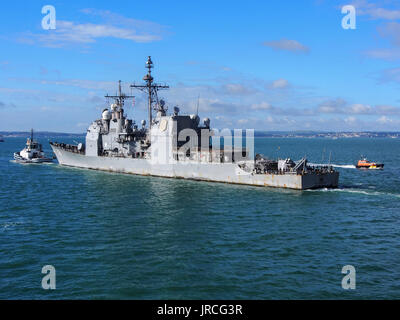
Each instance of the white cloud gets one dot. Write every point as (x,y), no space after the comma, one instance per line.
(359,108)
(391,30)
(79,83)
(4,105)
(381,13)
(390,75)
(350,120)
(225,101)
(384,120)
(385,109)
(68,32)
(46,108)
(374,11)
(81,33)
(385,54)
(120,20)
(235,88)
(287,45)
(4,65)
(82,125)
(340,106)
(327,109)
(280,84)
(332,106)
(261,106)
(280,123)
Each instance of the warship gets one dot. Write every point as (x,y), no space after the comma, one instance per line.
(177,145)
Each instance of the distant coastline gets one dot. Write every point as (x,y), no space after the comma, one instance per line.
(331,135)
(41,134)
(258,133)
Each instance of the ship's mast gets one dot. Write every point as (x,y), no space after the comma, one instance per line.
(120,98)
(150,88)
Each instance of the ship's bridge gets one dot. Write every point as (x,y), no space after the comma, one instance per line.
(170,133)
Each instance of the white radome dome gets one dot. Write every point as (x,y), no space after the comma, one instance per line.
(106,115)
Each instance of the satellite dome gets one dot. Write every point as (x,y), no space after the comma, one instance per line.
(106,115)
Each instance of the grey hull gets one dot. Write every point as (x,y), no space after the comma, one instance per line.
(216,172)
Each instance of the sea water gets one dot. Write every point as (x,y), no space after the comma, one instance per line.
(115,236)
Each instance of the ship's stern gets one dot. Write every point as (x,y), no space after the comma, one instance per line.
(315,180)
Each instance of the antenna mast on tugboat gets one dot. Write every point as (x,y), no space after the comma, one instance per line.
(150,88)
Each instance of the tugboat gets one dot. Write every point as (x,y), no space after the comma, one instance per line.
(32,153)
(365,164)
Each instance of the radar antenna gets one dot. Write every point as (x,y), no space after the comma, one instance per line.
(120,98)
(151,89)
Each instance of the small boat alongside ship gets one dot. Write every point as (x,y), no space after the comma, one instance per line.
(365,164)
(32,153)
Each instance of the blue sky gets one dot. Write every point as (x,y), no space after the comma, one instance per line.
(267,65)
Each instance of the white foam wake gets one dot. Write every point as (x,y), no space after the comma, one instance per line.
(351,190)
(345,166)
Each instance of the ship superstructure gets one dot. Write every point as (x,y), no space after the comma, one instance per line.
(180,146)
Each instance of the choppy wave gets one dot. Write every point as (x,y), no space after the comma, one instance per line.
(85,222)
(8,225)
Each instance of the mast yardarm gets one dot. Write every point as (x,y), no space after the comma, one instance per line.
(151,89)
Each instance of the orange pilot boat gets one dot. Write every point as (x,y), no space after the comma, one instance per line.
(365,164)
